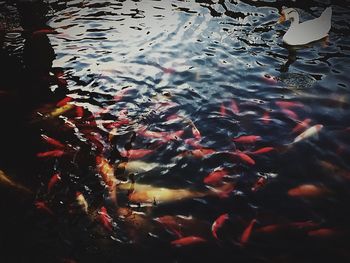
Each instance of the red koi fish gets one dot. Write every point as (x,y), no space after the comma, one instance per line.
(291,114)
(244,157)
(301,126)
(44,31)
(53,181)
(186,241)
(218,223)
(261,182)
(215,177)
(118,124)
(105,219)
(79,112)
(200,153)
(41,205)
(247,232)
(136,153)
(247,139)
(222,110)
(174,118)
(289,104)
(53,141)
(234,107)
(263,150)
(171,224)
(266,118)
(55,153)
(323,233)
(64,101)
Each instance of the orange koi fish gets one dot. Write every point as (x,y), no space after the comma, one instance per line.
(52,141)
(247,232)
(107,172)
(234,107)
(215,177)
(244,157)
(289,104)
(262,150)
(218,223)
(186,241)
(323,233)
(64,101)
(301,126)
(105,219)
(197,135)
(55,153)
(136,153)
(53,181)
(247,139)
(308,190)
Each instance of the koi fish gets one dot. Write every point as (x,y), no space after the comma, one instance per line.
(301,126)
(247,232)
(215,176)
(41,205)
(247,139)
(222,110)
(61,110)
(145,193)
(266,117)
(105,219)
(44,31)
(234,107)
(64,101)
(136,153)
(170,223)
(308,133)
(289,104)
(52,141)
(259,184)
(323,233)
(120,94)
(193,142)
(308,190)
(5,180)
(79,112)
(244,157)
(262,150)
(173,135)
(137,166)
(218,223)
(55,153)
(81,201)
(186,241)
(107,172)
(53,181)
(200,153)
(291,114)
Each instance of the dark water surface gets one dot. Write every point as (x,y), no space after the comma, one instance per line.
(181,80)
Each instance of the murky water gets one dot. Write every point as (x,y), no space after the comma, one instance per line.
(136,136)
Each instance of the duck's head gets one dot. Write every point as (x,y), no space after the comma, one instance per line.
(289,14)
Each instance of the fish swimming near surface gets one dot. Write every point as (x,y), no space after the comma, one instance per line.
(218,223)
(186,241)
(308,133)
(8,182)
(247,233)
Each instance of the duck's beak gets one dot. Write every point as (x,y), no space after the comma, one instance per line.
(281,19)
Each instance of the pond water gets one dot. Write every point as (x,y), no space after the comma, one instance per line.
(168,131)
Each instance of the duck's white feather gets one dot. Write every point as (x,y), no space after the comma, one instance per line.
(309,31)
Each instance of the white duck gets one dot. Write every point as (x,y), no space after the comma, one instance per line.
(308,31)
